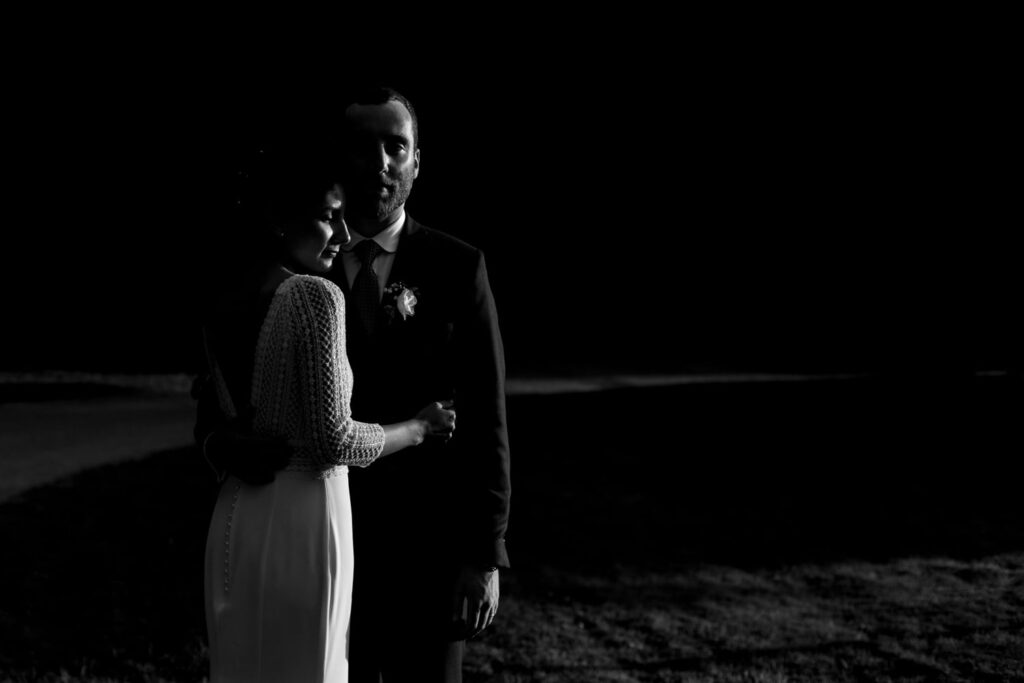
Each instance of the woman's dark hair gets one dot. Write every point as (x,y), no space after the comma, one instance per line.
(285,184)
(276,185)
(279,185)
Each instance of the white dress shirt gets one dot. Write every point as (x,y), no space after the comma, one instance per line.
(387,239)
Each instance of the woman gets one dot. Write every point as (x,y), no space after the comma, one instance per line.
(279,558)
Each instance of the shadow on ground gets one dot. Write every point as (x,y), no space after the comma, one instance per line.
(104,570)
(768,474)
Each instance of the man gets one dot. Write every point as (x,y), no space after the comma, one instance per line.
(429,526)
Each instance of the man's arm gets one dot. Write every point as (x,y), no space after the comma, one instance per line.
(208,419)
(480,400)
(229,448)
(484,454)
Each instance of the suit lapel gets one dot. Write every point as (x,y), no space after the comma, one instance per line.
(405,258)
(407,269)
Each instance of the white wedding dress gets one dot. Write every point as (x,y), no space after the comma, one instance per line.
(279,557)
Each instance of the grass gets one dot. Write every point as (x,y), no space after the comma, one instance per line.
(848,531)
(913,619)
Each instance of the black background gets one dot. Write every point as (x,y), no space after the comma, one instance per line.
(752,200)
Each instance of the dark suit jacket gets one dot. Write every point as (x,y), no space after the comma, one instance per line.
(446,503)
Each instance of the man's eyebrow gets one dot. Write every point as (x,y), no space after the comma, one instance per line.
(397,137)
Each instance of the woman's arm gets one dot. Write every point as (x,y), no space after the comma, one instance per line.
(402,435)
(326,387)
(318,328)
(436,419)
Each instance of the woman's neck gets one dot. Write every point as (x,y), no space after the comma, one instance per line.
(275,275)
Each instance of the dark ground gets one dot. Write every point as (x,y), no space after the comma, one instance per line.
(102,572)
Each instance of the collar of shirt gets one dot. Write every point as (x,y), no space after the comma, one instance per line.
(387,239)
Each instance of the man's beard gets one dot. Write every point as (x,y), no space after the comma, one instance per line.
(371,203)
(399,194)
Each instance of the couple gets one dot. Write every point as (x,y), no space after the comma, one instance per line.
(318,366)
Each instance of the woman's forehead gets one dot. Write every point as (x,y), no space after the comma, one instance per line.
(335,197)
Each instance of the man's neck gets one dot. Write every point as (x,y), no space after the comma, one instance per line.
(373,226)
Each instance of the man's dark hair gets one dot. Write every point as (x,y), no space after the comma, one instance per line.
(382,94)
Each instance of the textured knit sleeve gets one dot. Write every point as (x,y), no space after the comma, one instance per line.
(325,378)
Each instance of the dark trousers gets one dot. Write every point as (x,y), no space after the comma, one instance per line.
(400,630)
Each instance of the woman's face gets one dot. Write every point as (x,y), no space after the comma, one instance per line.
(313,244)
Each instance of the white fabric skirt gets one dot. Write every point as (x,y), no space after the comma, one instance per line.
(279,580)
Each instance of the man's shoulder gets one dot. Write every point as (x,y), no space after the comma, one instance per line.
(439,241)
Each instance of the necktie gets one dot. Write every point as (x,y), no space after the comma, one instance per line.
(365,288)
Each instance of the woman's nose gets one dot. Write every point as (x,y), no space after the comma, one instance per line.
(341,235)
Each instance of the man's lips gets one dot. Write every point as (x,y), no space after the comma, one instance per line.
(380,182)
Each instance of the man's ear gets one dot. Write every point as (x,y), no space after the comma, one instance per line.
(416,163)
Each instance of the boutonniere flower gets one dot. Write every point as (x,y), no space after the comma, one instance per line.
(400,300)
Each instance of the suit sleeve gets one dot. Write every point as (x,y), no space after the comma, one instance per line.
(480,404)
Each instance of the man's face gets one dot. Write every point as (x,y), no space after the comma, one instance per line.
(383,159)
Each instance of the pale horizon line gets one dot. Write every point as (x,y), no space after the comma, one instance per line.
(515,385)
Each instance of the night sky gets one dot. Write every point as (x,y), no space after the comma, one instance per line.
(742,206)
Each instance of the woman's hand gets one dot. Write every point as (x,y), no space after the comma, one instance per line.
(438,419)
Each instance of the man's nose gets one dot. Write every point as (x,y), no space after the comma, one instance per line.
(383,160)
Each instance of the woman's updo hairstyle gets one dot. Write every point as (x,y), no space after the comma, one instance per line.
(285,184)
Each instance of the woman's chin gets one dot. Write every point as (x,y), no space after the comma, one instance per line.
(323,265)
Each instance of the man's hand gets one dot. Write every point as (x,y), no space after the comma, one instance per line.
(439,418)
(476,599)
(253,459)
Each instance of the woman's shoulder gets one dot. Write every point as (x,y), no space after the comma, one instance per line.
(300,287)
